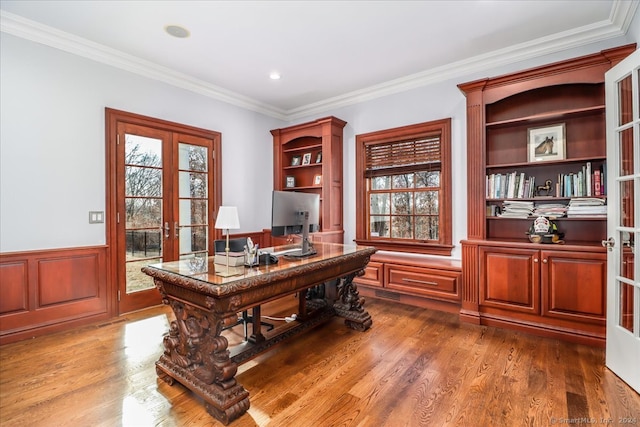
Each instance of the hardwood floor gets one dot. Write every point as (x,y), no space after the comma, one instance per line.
(414,367)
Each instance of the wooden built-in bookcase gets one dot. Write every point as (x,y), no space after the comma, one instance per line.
(321,141)
(550,289)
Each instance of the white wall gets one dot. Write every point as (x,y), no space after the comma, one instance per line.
(52,141)
(52,144)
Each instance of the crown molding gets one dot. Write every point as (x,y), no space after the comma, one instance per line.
(622,13)
(43,34)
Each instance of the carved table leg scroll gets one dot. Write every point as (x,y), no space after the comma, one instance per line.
(196,355)
(349,304)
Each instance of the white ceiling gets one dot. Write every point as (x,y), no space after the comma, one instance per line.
(330,53)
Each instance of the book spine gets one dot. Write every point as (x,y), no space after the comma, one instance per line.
(588,180)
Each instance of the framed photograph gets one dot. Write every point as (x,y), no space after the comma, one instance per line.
(547,143)
(317,180)
(319,157)
(290,182)
(295,160)
(306,159)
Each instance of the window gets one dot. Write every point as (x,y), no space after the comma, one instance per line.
(403,188)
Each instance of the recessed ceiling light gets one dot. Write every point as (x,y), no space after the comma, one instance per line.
(274,75)
(177,31)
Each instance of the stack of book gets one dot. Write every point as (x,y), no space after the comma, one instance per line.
(551,210)
(516,209)
(586,207)
(235,258)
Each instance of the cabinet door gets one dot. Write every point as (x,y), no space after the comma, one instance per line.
(509,279)
(574,285)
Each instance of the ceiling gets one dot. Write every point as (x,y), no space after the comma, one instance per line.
(329,53)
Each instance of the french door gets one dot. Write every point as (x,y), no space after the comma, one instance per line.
(623,224)
(165,192)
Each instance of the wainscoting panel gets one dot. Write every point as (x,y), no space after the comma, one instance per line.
(68,279)
(14,287)
(51,290)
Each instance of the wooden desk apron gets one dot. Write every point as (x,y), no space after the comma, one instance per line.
(199,357)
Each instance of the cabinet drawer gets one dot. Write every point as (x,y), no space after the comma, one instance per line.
(423,281)
(372,275)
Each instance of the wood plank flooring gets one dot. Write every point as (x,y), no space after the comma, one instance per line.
(414,367)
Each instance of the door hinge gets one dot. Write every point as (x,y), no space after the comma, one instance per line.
(117,217)
(118,295)
(118,139)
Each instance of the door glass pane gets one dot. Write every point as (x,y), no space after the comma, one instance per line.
(193,239)
(143,208)
(626,306)
(626,152)
(626,204)
(193,203)
(627,262)
(625,96)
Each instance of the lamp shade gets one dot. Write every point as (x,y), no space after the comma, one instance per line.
(227,218)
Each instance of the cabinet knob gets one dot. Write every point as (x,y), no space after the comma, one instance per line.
(535,260)
(544,261)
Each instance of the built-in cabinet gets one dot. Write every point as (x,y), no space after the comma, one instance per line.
(551,289)
(308,158)
(563,292)
(423,281)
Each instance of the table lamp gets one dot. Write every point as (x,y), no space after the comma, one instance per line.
(227,219)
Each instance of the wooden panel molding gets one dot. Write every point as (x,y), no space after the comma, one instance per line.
(14,287)
(67,279)
(52,290)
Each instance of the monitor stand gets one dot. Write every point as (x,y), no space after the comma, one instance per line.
(306,250)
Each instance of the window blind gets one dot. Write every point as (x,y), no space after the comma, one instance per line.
(395,157)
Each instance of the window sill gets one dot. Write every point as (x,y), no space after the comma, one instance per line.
(417,248)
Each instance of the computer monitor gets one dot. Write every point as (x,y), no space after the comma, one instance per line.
(295,213)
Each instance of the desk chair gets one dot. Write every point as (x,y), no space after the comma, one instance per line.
(238,245)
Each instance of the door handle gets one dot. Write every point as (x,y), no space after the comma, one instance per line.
(166,230)
(176,229)
(609,243)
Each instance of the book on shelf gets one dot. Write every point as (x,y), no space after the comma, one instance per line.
(513,185)
(585,182)
(235,258)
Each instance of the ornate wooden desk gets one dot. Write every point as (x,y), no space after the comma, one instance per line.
(199,357)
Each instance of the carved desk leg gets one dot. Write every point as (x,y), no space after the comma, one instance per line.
(349,304)
(196,355)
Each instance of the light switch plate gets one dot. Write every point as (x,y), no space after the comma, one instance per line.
(96,217)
